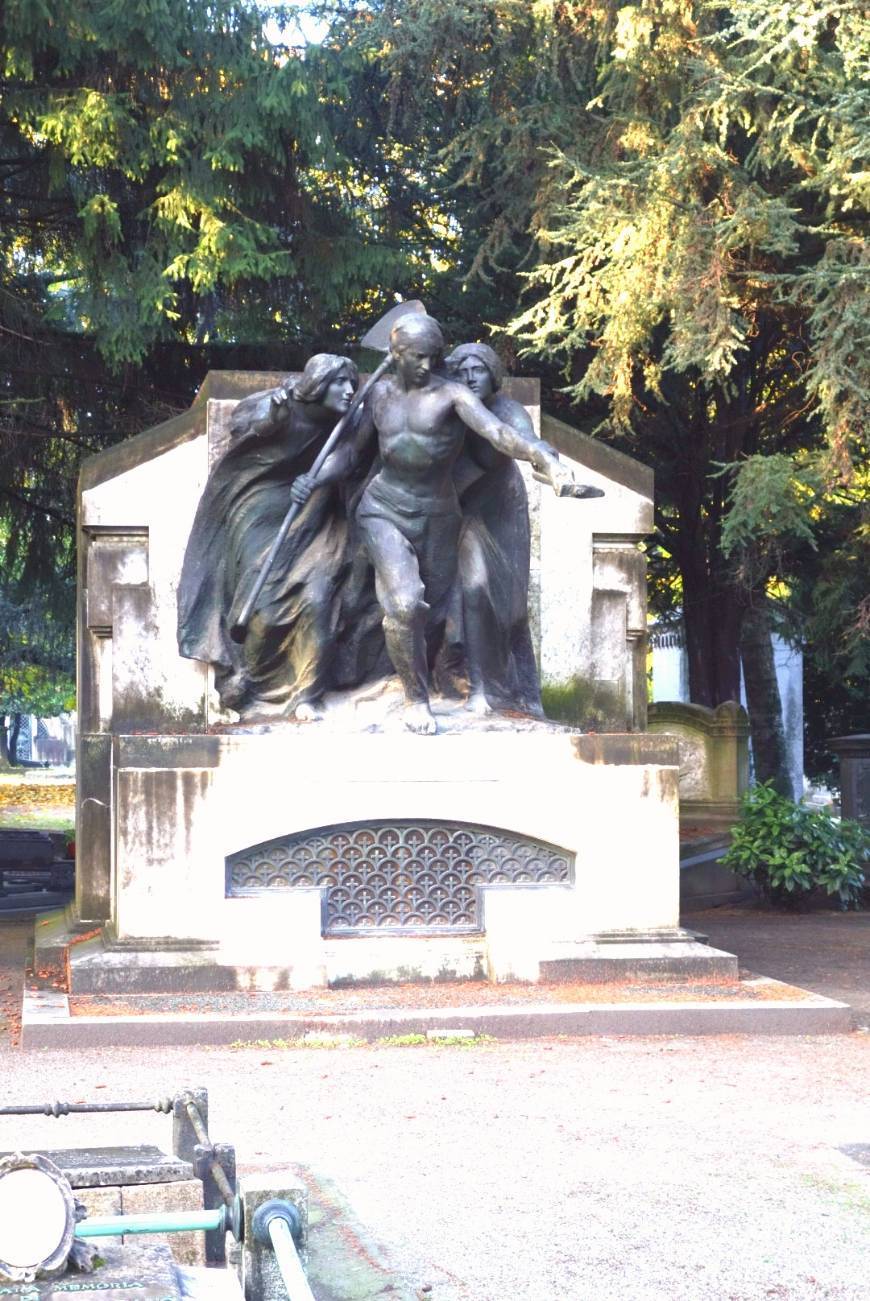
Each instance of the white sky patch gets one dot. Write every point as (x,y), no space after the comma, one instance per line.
(304,29)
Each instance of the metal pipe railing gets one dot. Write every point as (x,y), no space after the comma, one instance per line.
(58,1109)
(278,1224)
(111,1226)
(217,1171)
(288,1260)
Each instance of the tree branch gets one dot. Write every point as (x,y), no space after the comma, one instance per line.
(37,507)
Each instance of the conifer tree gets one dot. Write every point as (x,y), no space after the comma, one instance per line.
(175,195)
(670,198)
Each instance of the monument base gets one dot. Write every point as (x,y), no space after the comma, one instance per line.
(95,967)
(291,859)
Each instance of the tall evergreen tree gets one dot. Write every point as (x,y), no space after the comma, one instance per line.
(177,192)
(670,197)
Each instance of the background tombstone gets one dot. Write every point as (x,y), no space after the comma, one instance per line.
(853,753)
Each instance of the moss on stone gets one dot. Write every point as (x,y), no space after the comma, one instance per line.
(584,703)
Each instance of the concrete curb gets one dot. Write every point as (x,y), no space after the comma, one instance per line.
(47,1023)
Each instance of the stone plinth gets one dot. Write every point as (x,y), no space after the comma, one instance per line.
(241,859)
(854,755)
(260,1273)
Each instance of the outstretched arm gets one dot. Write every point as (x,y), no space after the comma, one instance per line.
(520,447)
(260,414)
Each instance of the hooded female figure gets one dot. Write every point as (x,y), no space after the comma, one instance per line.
(489,630)
(301,639)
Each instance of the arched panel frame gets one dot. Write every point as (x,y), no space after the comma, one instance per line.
(398,876)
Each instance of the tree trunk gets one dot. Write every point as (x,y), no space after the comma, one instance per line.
(712,613)
(712,601)
(12,740)
(762,696)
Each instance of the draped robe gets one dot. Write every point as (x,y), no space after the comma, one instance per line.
(316,626)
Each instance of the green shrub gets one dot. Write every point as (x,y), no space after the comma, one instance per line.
(792,852)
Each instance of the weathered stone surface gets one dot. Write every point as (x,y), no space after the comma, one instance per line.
(599,456)
(179,825)
(139,516)
(633,748)
(131,970)
(591,582)
(705,882)
(602,962)
(810,1014)
(345,1262)
(94,828)
(133,1272)
(854,755)
(185,1195)
(202,1284)
(191,751)
(114,558)
(101,1167)
(99,1201)
(378,707)
(713,758)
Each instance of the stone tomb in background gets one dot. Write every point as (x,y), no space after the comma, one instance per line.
(219,856)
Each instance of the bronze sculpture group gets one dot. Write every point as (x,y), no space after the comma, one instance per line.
(410,550)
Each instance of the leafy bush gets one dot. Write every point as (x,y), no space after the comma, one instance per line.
(791,852)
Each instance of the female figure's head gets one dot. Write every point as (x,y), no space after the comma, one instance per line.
(328,380)
(478,367)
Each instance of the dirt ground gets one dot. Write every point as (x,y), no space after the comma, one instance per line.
(826,951)
(726,1168)
(37,798)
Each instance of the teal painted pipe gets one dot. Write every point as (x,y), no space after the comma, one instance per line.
(110,1226)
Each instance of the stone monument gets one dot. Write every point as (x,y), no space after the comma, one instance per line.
(312,747)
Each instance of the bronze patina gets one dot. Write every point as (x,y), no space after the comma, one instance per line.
(406,548)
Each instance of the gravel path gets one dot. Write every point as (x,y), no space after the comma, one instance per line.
(642,1168)
(714,1169)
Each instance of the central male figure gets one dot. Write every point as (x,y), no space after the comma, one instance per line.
(409,516)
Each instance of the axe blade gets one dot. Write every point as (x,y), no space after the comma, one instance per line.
(378,337)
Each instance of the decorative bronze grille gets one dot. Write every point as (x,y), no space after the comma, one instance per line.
(400,877)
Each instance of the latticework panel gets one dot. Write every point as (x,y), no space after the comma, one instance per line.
(398,876)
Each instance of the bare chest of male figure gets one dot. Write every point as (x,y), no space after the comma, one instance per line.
(419,437)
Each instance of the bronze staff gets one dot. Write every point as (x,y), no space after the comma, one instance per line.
(378,339)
